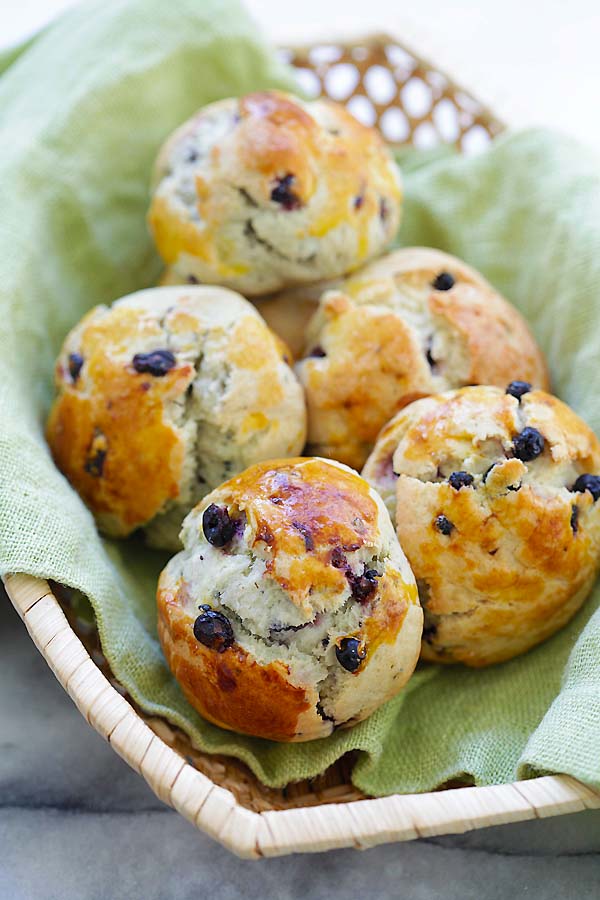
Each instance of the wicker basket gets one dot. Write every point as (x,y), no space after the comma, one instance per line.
(385,84)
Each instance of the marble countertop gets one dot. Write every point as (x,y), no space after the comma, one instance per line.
(76,822)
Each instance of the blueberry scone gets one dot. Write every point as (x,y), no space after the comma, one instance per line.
(163,396)
(268,190)
(496,508)
(413,323)
(292,609)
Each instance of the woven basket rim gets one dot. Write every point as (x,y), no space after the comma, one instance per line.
(215,810)
(486,115)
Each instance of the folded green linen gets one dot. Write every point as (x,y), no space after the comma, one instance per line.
(84,108)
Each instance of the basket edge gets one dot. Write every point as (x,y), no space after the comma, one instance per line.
(456,75)
(214,810)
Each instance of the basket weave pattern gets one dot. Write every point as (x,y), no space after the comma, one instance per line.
(412,102)
(384,84)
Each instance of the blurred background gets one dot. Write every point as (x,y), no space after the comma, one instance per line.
(535,62)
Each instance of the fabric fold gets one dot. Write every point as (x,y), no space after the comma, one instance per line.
(85,106)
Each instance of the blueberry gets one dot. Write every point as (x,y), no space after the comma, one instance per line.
(282,193)
(528,444)
(459,480)
(429,632)
(574,519)
(94,464)
(217,526)
(589,483)
(350,654)
(443,525)
(306,533)
(317,353)
(358,201)
(363,586)
(191,279)
(213,629)
(75,364)
(338,560)
(518,388)
(443,282)
(157,362)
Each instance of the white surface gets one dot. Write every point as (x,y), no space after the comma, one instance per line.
(534,61)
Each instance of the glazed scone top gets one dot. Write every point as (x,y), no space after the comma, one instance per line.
(496,508)
(164,395)
(315,524)
(311,561)
(473,429)
(415,322)
(269,190)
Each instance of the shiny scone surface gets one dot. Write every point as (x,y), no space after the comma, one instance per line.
(489,495)
(268,190)
(303,575)
(414,322)
(163,396)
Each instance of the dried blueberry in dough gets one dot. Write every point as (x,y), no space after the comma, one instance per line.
(350,653)
(217,526)
(443,282)
(528,444)
(309,617)
(458,480)
(75,365)
(156,362)
(213,629)
(443,524)
(278,191)
(589,483)
(283,193)
(516,389)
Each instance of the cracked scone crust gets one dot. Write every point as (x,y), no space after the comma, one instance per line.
(413,323)
(504,549)
(286,312)
(265,191)
(312,567)
(163,396)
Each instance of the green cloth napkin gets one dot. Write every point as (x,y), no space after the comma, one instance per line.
(84,108)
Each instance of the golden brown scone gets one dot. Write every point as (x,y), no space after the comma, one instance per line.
(266,191)
(496,509)
(287,313)
(165,395)
(413,323)
(292,609)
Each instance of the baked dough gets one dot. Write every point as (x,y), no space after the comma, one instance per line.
(292,609)
(163,396)
(413,323)
(268,190)
(496,509)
